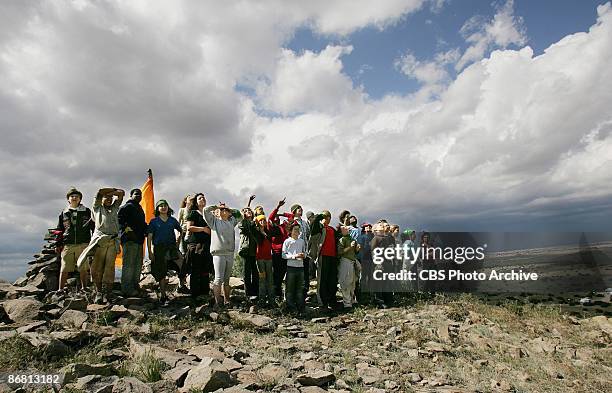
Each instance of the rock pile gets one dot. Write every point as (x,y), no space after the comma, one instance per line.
(43,271)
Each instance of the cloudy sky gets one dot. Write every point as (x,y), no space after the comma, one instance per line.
(437,114)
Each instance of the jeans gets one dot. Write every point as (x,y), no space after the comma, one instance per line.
(131,267)
(279,265)
(266,282)
(294,288)
(223,268)
(306,278)
(347,281)
(251,276)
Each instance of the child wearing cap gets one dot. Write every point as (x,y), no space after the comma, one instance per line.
(264,261)
(222,246)
(162,232)
(294,251)
(76,226)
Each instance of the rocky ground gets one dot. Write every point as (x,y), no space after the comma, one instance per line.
(425,344)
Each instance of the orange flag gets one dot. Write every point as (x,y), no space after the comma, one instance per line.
(148,198)
(148,205)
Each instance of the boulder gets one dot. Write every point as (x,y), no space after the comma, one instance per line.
(79,304)
(72,318)
(414,377)
(248,379)
(23,310)
(253,321)
(236,283)
(206,351)
(48,346)
(231,365)
(163,386)
(96,307)
(271,373)
(170,358)
(15,292)
(131,385)
(208,376)
(31,326)
(74,371)
(312,389)
(316,378)
(178,374)
(75,338)
(96,383)
(369,374)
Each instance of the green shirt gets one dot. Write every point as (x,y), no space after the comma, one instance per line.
(343,243)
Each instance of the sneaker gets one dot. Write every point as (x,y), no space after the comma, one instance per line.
(99,299)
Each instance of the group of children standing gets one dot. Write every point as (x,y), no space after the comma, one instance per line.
(201,245)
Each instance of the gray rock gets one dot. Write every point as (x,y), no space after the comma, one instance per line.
(23,310)
(118,311)
(369,374)
(15,292)
(208,376)
(271,373)
(316,378)
(178,374)
(312,389)
(231,365)
(96,383)
(206,351)
(79,304)
(131,385)
(49,346)
(170,358)
(111,355)
(75,371)
(31,327)
(72,318)
(163,386)
(414,377)
(75,338)
(253,321)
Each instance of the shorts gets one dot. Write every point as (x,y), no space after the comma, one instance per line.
(163,253)
(70,255)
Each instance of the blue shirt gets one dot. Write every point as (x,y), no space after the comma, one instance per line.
(163,232)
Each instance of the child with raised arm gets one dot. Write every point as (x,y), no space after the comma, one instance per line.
(264,261)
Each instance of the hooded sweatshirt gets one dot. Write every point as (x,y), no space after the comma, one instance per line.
(222,234)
